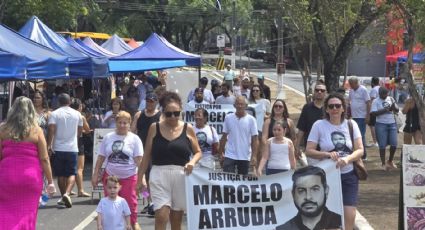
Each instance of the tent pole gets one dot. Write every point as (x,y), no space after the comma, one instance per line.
(199,74)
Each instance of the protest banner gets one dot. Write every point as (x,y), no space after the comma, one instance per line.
(217,113)
(218,200)
(414,186)
(98,138)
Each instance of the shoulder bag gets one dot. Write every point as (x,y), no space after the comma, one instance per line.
(359,167)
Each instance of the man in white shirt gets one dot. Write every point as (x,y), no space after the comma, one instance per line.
(360,107)
(65,126)
(199,98)
(229,75)
(239,141)
(208,95)
(226,97)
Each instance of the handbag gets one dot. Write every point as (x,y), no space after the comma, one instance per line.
(397,118)
(359,167)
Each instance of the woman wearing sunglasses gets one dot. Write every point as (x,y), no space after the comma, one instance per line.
(332,134)
(279,113)
(172,146)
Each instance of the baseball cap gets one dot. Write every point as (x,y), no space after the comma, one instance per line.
(151,96)
(261,76)
(245,78)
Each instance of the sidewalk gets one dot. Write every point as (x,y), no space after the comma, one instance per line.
(378,196)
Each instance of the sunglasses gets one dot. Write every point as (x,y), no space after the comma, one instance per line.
(320,90)
(175,113)
(278,106)
(333,106)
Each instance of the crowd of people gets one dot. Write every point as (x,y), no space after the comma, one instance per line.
(152,148)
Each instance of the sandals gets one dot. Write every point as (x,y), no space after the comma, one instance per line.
(83,194)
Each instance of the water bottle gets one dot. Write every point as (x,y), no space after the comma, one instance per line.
(44,199)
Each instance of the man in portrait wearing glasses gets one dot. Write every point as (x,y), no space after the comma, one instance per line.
(310,113)
(310,193)
(239,141)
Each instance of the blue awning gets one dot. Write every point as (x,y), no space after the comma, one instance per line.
(155,53)
(93,45)
(42,62)
(12,66)
(116,45)
(80,64)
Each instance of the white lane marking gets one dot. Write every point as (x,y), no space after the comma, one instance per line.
(86,221)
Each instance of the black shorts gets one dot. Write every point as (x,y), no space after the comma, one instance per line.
(80,146)
(372,120)
(65,164)
(411,128)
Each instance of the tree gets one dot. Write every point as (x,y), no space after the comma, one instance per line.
(413,12)
(334,59)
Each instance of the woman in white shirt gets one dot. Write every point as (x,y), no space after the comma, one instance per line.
(207,138)
(331,138)
(383,108)
(108,120)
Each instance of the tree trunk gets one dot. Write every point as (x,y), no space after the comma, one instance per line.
(334,61)
(408,21)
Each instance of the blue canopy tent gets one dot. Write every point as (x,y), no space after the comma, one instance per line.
(80,64)
(93,45)
(417,58)
(83,49)
(42,62)
(116,45)
(155,53)
(12,66)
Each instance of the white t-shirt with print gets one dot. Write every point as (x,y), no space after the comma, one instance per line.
(67,121)
(334,138)
(358,102)
(266,108)
(239,133)
(113,213)
(378,104)
(206,137)
(120,151)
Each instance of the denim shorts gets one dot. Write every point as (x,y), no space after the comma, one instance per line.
(65,163)
(350,188)
(386,134)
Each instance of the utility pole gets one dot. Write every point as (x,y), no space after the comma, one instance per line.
(280,59)
(234,35)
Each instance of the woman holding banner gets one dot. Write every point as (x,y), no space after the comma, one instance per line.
(331,138)
(174,150)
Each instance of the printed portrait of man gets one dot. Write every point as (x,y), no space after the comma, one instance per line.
(339,141)
(310,192)
(118,156)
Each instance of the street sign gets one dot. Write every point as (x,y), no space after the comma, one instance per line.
(221,40)
(280,68)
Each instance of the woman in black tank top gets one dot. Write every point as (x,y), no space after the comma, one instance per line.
(170,144)
(145,118)
(279,113)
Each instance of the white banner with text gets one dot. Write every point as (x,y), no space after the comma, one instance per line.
(218,200)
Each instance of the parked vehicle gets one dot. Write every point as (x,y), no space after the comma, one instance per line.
(272,58)
(257,54)
(227,50)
